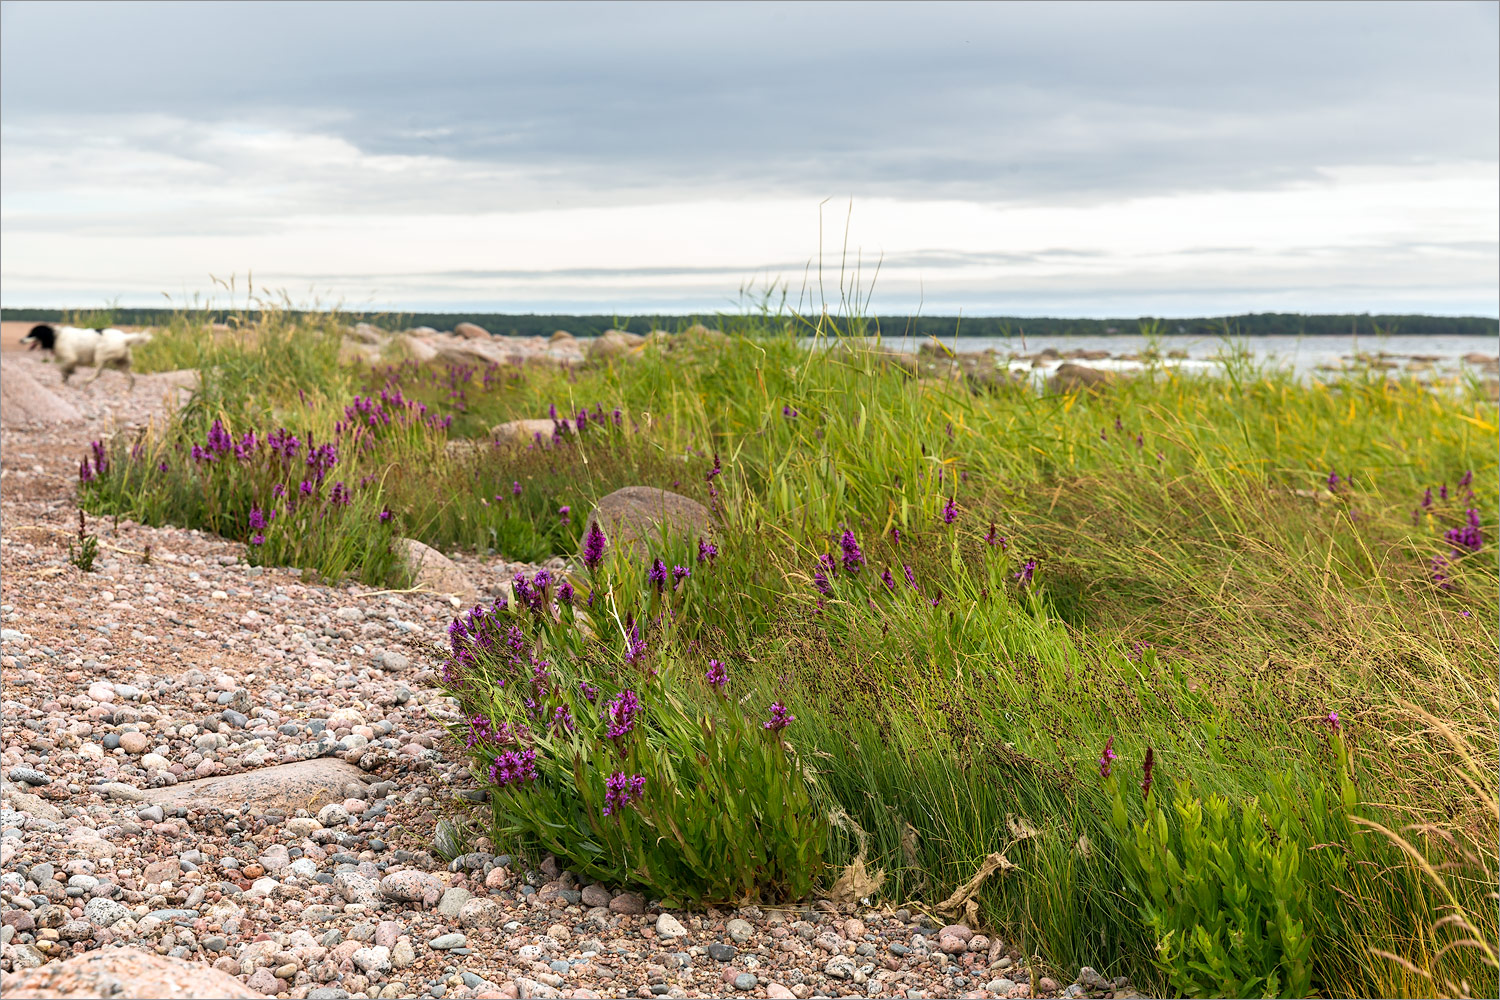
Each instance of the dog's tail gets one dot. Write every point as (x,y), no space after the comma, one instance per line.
(136,338)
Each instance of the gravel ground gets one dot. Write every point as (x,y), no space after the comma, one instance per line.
(123,682)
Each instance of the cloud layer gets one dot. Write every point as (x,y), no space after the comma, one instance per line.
(1306,156)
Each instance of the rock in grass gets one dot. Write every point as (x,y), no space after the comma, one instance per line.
(471,331)
(637,514)
(1076,378)
(434,571)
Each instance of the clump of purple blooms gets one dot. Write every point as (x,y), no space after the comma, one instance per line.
(707,551)
(717,676)
(779,719)
(658,574)
(1028,571)
(514,767)
(620,790)
(1469,536)
(621,714)
(854,557)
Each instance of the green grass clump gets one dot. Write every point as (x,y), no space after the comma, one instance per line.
(964,598)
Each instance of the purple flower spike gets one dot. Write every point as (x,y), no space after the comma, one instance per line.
(1333,482)
(1466,480)
(621,714)
(1027,572)
(1427,497)
(515,488)
(888,580)
(514,768)
(1443,492)
(1107,759)
(911,578)
(593,546)
(779,719)
(658,574)
(821,584)
(679,574)
(717,676)
(563,514)
(707,551)
(385,516)
(854,558)
(896,535)
(950,511)
(588,691)
(257,519)
(1333,721)
(565,592)
(620,790)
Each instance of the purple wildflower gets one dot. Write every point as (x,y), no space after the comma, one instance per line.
(621,714)
(515,488)
(305,488)
(994,538)
(565,592)
(1107,758)
(593,546)
(257,519)
(714,471)
(1333,481)
(386,515)
(563,512)
(950,511)
(257,539)
(779,719)
(562,719)
(821,584)
(514,768)
(658,574)
(635,646)
(1469,536)
(1148,768)
(707,551)
(854,558)
(1027,572)
(911,578)
(620,790)
(162,467)
(1427,497)
(1333,721)
(888,580)
(85,473)
(788,412)
(278,491)
(1466,480)
(679,573)
(896,536)
(717,676)
(588,691)
(1443,492)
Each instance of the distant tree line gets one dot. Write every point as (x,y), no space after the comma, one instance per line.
(531,325)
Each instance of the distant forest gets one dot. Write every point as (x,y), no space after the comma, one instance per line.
(1255,325)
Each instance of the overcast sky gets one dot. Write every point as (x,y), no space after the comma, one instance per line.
(1069,159)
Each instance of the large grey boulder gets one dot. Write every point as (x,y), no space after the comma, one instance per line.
(1079,378)
(638,514)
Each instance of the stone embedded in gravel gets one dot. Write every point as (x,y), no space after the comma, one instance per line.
(134,743)
(122,792)
(409,886)
(628,903)
(453,902)
(776,991)
(105,912)
(1090,979)
(284,788)
(302,826)
(1047,985)
(669,927)
(595,895)
(482,912)
(403,954)
(745,981)
(840,967)
(739,930)
(28,776)
(960,931)
(444,942)
(372,960)
(720,952)
(333,814)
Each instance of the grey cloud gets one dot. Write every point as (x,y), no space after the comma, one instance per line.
(549,103)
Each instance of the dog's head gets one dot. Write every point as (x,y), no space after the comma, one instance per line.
(42,335)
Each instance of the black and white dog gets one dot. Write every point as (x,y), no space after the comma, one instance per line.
(74,346)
